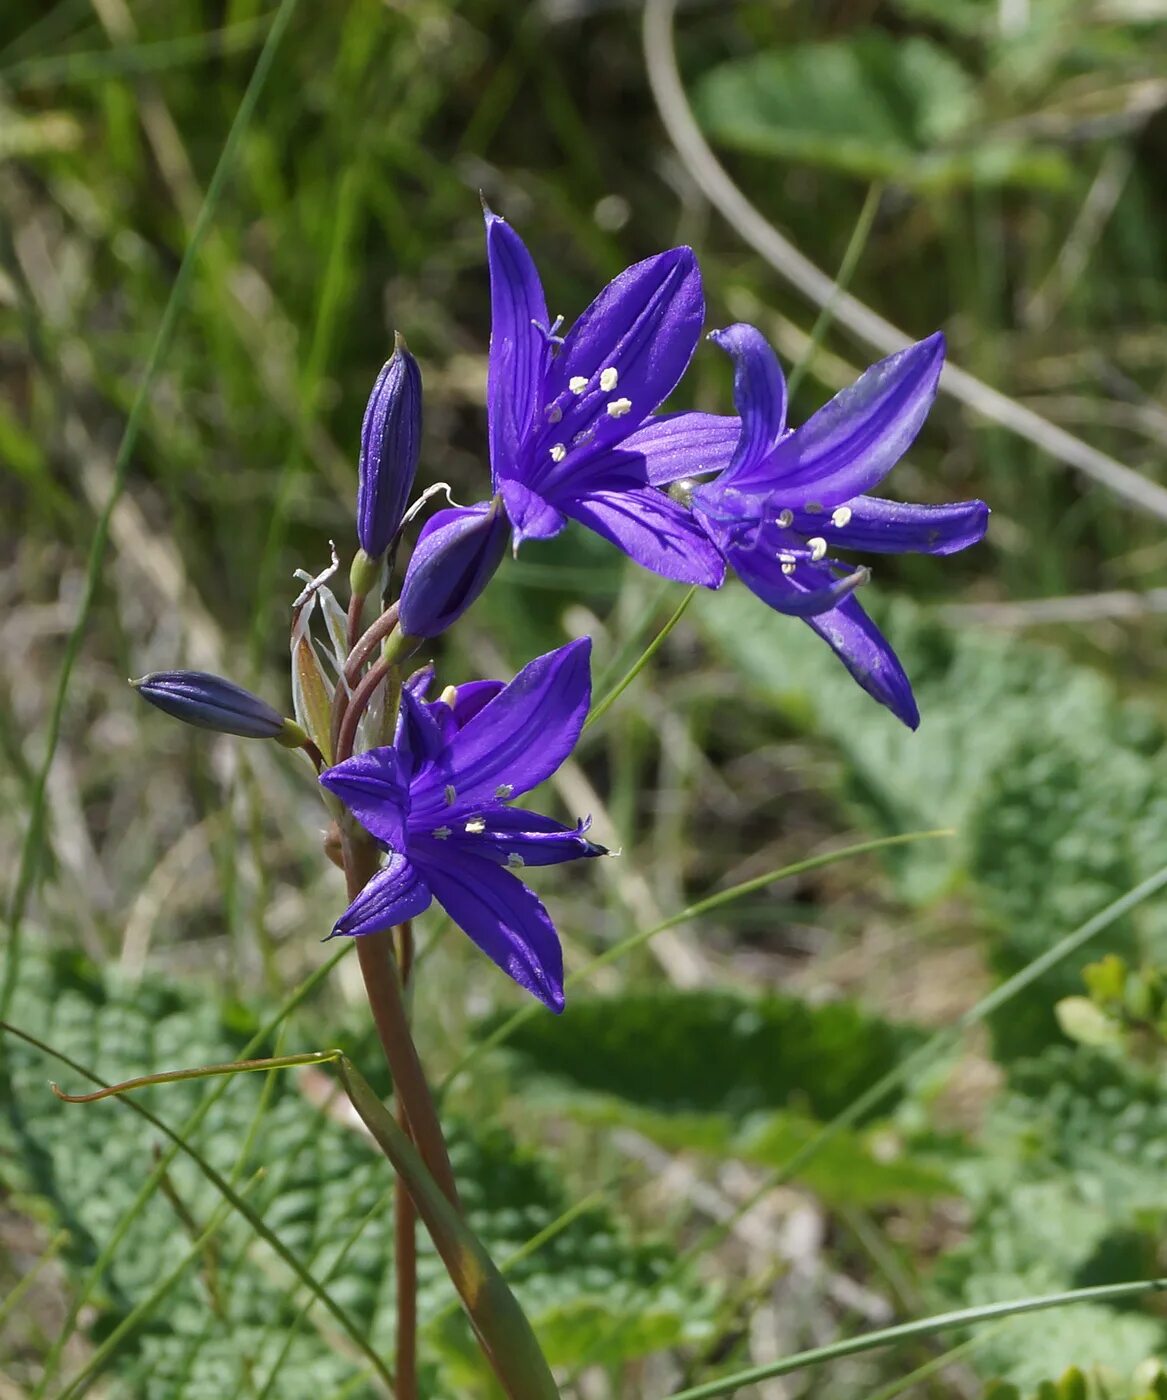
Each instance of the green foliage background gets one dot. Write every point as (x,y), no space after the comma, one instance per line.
(606,1157)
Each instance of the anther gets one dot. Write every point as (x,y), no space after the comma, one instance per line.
(609,378)
(440,832)
(476,826)
(553,413)
(785,519)
(558,452)
(787,568)
(817,547)
(584,435)
(451,794)
(814,507)
(503,790)
(577,384)
(515,861)
(841,516)
(619,407)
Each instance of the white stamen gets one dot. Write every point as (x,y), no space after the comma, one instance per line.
(553,413)
(449,695)
(577,384)
(619,407)
(476,826)
(784,558)
(583,436)
(515,861)
(785,519)
(787,568)
(818,548)
(841,516)
(503,790)
(558,452)
(609,378)
(451,794)
(440,832)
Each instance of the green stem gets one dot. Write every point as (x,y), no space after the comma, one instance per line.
(602,706)
(923,1327)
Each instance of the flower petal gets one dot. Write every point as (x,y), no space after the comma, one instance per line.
(374,787)
(515,741)
(867,654)
(669,447)
(875,526)
(472,696)
(533,517)
(514,837)
(518,349)
(776,567)
(852,443)
(397,892)
(504,918)
(759,395)
(421,737)
(654,530)
(620,360)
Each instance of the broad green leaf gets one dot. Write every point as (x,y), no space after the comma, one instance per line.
(79,1166)
(726,1075)
(1008,754)
(1069,1193)
(871,105)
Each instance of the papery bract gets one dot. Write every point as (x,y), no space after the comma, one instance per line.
(438,799)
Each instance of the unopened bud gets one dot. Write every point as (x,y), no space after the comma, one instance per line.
(390,447)
(456,556)
(210,702)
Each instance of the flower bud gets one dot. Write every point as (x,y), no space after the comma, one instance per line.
(210,702)
(390,447)
(456,555)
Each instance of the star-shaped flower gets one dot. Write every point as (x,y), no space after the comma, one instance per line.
(438,803)
(570,426)
(790,498)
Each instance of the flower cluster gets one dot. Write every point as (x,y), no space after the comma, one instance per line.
(426,785)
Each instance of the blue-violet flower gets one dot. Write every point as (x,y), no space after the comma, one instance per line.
(437,802)
(570,426)
(789,499)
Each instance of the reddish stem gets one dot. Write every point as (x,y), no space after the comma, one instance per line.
(361,650)
(356,707)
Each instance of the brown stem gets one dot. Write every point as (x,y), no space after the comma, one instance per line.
(375,954)
(405,1226)
(361,650)
(356,606)
(351,715)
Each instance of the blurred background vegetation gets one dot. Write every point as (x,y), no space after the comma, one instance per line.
(635,1156)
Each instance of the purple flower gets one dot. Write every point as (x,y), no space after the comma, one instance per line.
(390,447)
(210,702)
(570,428)
(437,802)
(455,558)
(789,499)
